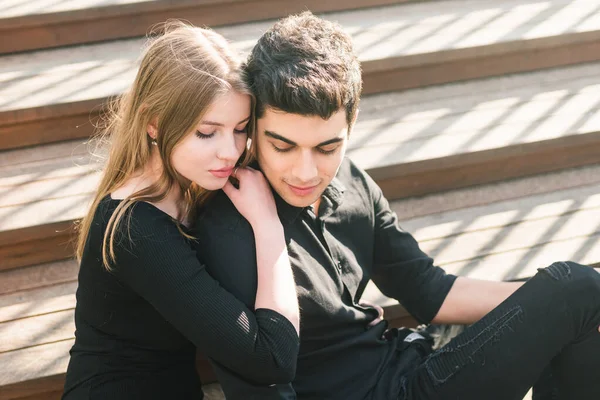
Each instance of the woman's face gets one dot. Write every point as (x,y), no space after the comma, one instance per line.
(208,153)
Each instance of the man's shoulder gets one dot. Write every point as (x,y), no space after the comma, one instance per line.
(355,179)
(220,213)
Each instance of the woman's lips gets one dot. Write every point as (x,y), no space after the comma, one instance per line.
(221,173)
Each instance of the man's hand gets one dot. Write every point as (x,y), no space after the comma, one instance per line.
(379,310)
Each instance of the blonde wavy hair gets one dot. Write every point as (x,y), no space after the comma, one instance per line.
(182,71)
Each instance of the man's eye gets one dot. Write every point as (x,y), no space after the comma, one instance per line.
(204,135)
(327,150)
(281,149)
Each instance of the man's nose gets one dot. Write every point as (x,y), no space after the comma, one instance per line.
(305,168)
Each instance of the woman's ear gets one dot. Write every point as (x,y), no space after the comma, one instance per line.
(152,128)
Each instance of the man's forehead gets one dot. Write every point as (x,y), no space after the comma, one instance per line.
(303,129)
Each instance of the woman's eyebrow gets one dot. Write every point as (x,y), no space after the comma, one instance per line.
(220,124)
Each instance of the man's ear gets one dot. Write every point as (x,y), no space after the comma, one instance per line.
(351,126)
(355,116)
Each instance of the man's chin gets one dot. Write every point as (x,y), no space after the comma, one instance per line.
(300,201)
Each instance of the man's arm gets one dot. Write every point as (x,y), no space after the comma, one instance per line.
(400,269)
(470,299)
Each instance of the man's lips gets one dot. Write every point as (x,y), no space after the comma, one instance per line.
(222,173)
(302,190)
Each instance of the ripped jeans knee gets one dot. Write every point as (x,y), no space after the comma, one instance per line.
(469,347)
(577,279)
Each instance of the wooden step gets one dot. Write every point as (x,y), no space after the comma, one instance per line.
(544,219)
(37,331)
(413,143)
(54,95)
(446,137)
(510,239)
(44,24)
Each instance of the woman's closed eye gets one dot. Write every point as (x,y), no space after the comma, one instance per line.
(243,130)
(202,135)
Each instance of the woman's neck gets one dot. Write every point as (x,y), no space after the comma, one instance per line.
(147,177)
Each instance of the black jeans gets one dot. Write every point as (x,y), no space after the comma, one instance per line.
(545,335)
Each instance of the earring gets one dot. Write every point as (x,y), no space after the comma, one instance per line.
(154,142)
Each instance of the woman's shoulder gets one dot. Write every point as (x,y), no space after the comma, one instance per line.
(140,215)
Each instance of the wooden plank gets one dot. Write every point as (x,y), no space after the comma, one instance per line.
(553,202)
(400,46)
(47,211)
(74,25)
(37,362)
(27,193)
(38,276)
(43,388)
(511,239)
(522,263)
(49,130)
(51,156)
(36,330)
(514,235)
(38,301)
(37,244)
(466,199)
(488,166)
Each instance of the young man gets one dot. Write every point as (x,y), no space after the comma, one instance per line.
(341,233)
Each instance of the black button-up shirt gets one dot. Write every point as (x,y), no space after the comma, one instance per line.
(354,238)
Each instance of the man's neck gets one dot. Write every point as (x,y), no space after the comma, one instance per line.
(315,206)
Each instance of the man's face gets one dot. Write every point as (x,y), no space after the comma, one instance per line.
(299,154)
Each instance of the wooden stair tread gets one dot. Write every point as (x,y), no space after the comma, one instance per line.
(407,132)
(382,33)
(460,118)
(511,239)
(36,330)
(41,25)
(22,9)
(35,362)
(35,277)
(38,301)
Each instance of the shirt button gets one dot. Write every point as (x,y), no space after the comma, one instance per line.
(338,265)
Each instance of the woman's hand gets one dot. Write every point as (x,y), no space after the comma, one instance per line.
(253,199)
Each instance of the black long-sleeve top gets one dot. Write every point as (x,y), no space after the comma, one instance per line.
(354,238)
(138,326)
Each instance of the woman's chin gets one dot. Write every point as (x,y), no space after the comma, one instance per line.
(212,184)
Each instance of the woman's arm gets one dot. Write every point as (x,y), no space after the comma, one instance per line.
(159,264)
(276,289)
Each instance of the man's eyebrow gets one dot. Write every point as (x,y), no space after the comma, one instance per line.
(331,141)
(220,124)
(279,137)
(291,143)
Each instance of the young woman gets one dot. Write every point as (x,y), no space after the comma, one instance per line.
(144,301)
